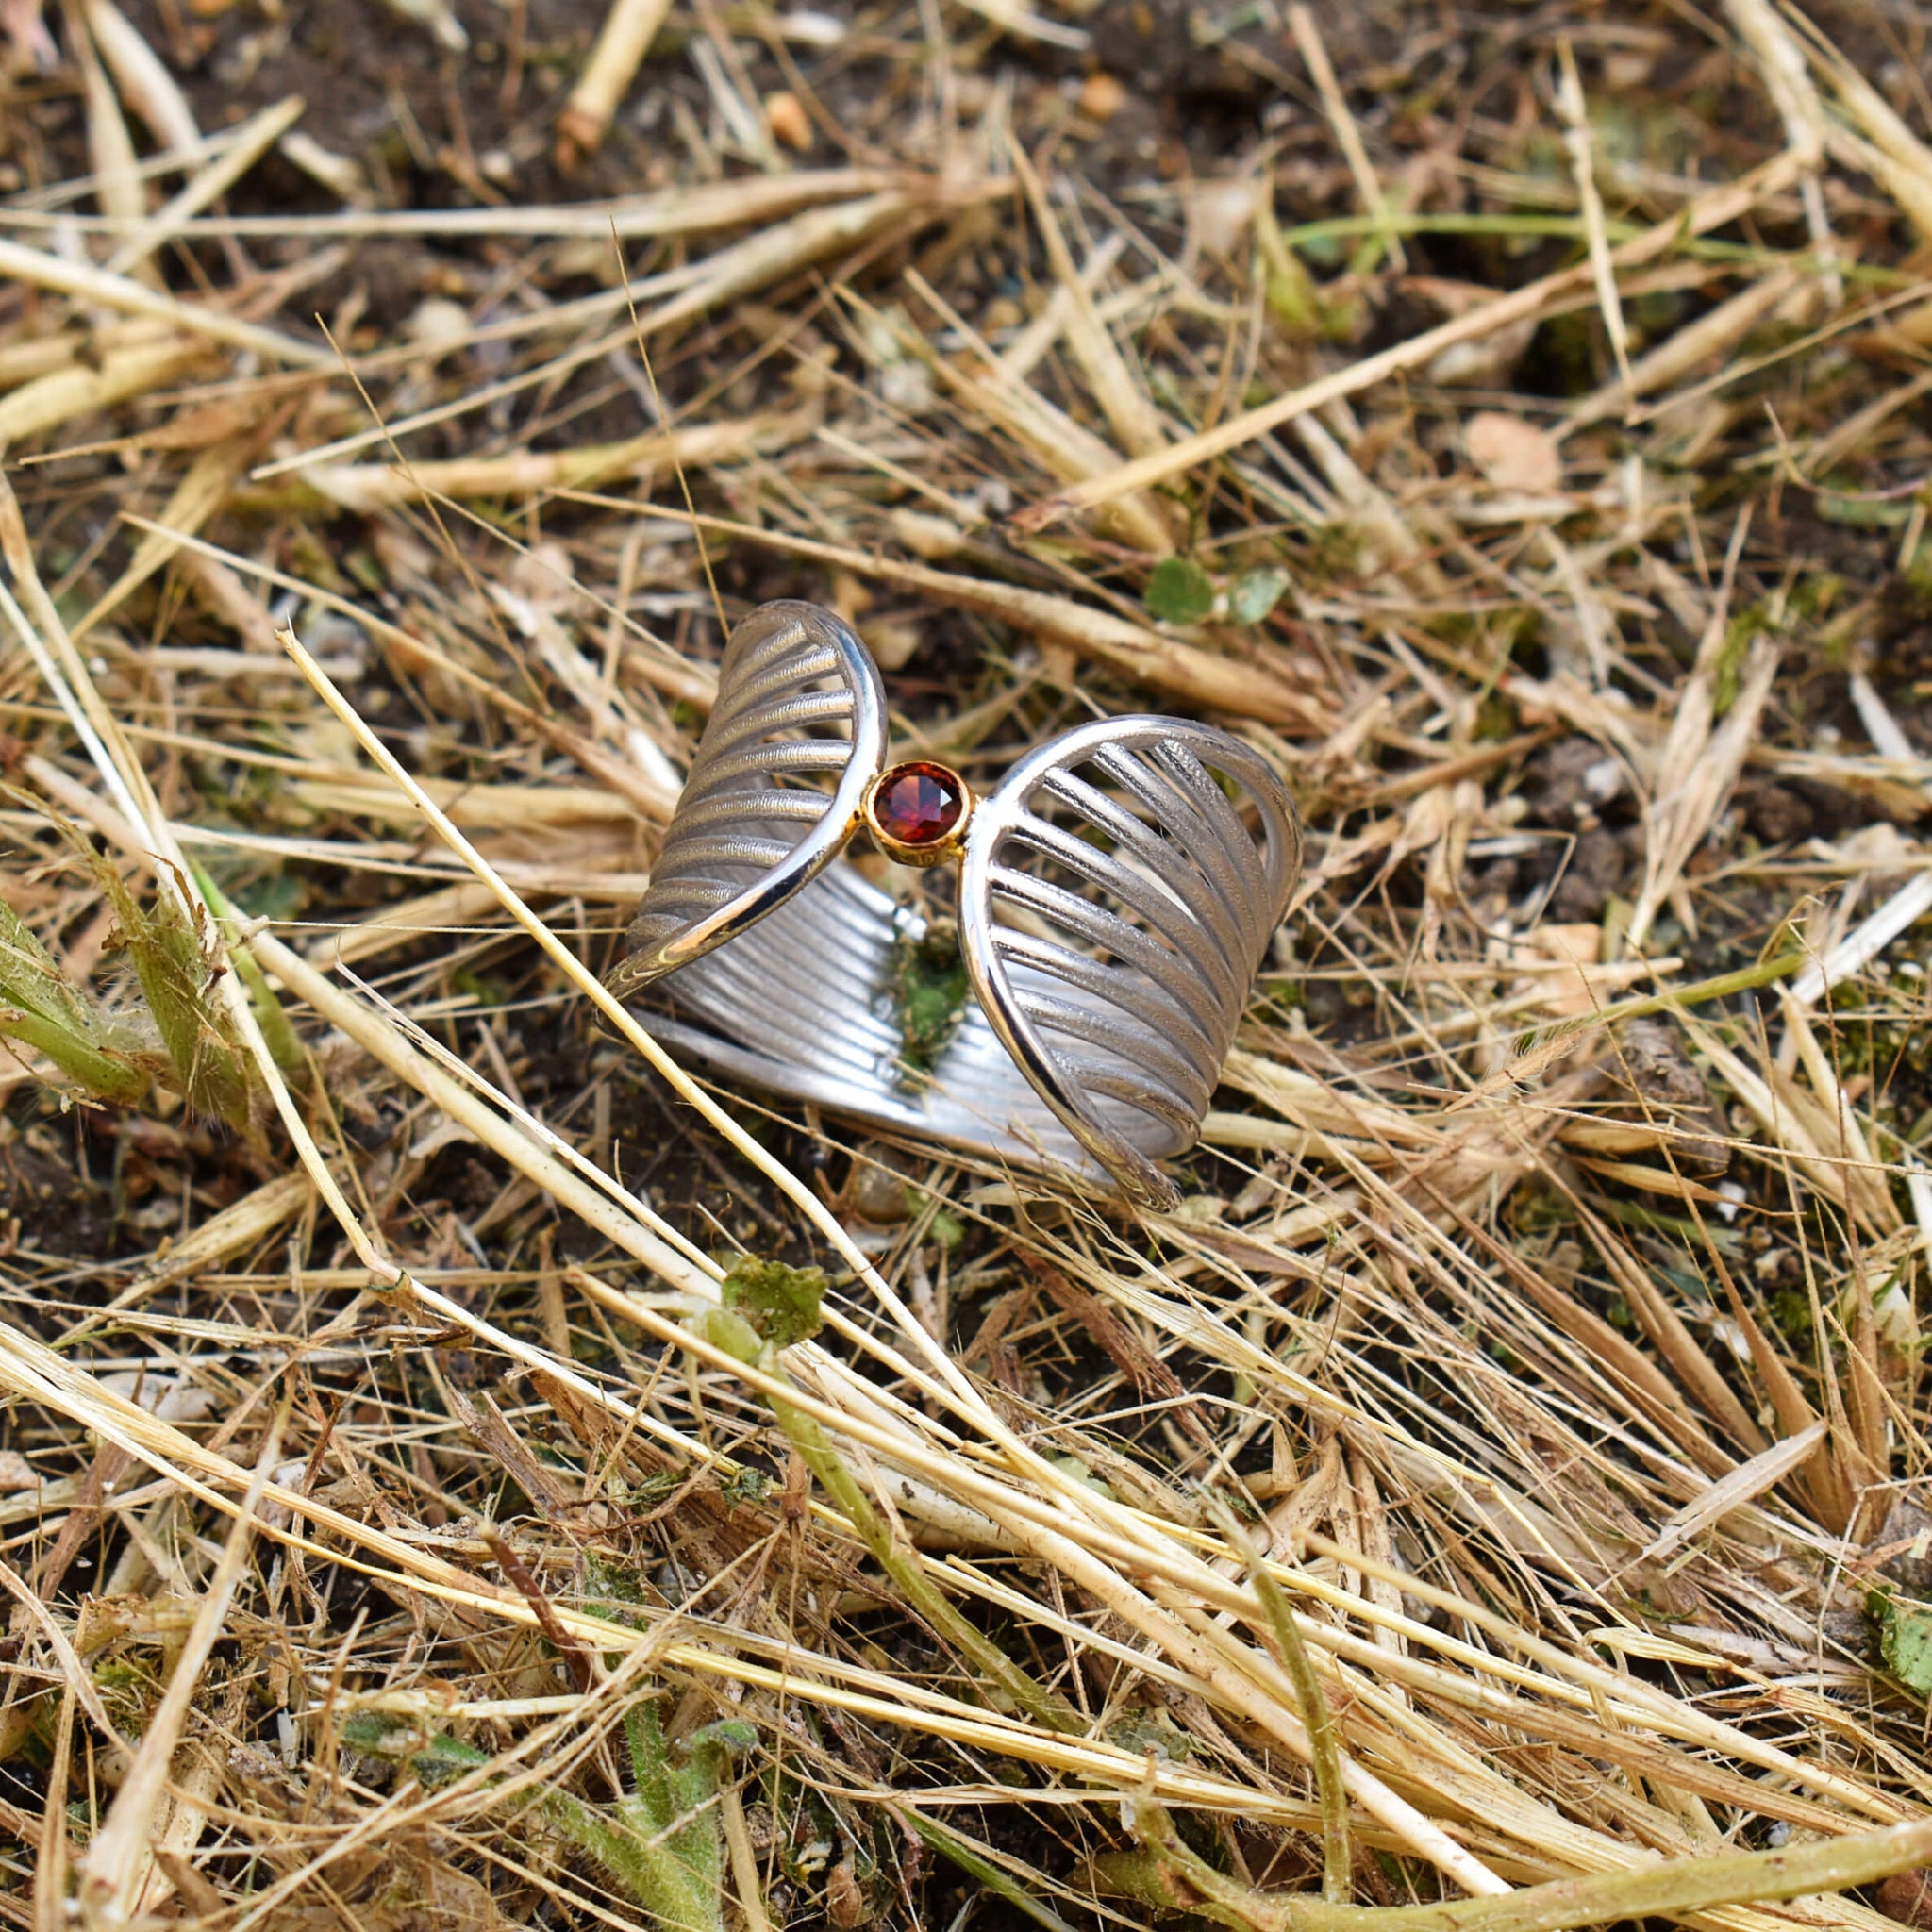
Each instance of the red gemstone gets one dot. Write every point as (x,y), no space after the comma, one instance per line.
(918,804)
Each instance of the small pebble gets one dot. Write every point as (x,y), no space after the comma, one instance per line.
(786,117)
(1100,97)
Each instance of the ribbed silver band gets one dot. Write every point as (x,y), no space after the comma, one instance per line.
(1117,891)
(802,1005)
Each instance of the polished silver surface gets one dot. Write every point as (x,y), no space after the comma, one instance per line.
(798,698)
(1117,894)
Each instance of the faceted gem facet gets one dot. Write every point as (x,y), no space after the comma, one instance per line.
(918,804)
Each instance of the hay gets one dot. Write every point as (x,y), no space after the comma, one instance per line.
(457,1468)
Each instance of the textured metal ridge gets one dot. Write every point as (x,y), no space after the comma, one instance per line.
(1113,910)
(1118,891)
(798,698)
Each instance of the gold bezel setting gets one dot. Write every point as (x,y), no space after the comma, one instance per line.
(938,850)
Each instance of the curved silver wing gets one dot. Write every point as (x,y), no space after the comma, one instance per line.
(1114,906)
(799,700)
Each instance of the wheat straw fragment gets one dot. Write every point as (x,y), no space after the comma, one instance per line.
(1135,421)
(626,37)
(1789,83)
(1742,1485)
(240,1226)
(1025,25)
(1348,137)
(110,146)
(369,488)
(30,356)
(1650,1180)
(77,391)
(1215,683)
(247,144)
(1061,444)
(1686,349)
(144,83)
(1903,909)
(1699,764)
(456,905)
(87,283)
(1579,139)
(1711,209)
(689,209)
(199,496)
(481,808)
(118,1864)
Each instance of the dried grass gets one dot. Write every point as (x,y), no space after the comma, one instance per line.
(1509,1467)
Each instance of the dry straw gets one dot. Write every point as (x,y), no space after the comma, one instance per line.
(437,1480)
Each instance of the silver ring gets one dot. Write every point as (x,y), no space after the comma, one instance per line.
(1114,904)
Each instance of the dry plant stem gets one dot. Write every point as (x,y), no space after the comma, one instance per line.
(1348,136)
(629,28)
(141,80)
(369,487)
(199,496)
(689,211)
(51,1903)
(247,144)
(746,1880)
(1131,414)
(132,369)
(1707,212)
(115,1871)
(1009,1685)
(87,283)
(1215,683)
(1578,137)
(110,148)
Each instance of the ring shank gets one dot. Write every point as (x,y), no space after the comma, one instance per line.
(801,1003)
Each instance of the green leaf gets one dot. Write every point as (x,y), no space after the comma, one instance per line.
(1179,591)
(1255,595)
(38,1009)
(929,992)
(169,954)
(971,1859)
(781,1302)
(1904,1641)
